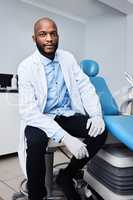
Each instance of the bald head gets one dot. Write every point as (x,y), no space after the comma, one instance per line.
(46,37)
(43,20)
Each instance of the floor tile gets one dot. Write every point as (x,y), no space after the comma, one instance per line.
(5,192)
(15,183)
(9,168)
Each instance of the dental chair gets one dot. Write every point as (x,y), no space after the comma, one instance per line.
(110,172)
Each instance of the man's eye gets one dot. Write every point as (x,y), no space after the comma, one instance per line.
(54,34)
(42,34)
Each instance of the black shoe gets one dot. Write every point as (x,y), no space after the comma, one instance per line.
(67,185)
(95,195)
(89,198)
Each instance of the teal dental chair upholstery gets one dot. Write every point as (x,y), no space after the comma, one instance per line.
(120,126)
(110,172)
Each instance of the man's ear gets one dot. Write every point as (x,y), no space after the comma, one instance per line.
(33,38)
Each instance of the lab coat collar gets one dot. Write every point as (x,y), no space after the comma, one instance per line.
(46,61)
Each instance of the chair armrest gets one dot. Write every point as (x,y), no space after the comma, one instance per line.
(124,106)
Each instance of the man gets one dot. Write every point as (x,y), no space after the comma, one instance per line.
(58,102)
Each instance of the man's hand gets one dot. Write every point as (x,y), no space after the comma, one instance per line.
(75,146)
(96,125)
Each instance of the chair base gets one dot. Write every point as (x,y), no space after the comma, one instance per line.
(20,196)
(103,191)
(55,194)
(110,172)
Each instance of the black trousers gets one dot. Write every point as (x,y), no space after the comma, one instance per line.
(37,142)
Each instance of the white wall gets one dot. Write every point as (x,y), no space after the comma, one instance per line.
(106,43)
(17,18)
(107,39)
(129,61)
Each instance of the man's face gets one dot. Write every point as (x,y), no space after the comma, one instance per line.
(46,38)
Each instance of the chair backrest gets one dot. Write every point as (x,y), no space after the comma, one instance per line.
(108,103)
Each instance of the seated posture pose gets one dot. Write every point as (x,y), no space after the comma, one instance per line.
(57,102)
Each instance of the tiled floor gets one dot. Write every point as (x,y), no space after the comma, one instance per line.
(11,174)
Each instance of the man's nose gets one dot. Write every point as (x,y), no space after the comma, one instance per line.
(48,37)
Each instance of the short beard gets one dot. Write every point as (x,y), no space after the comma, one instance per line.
(48,55)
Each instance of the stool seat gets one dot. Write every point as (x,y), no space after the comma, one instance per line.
(52,146)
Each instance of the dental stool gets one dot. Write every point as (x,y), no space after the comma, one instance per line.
(110,172)
(53,192)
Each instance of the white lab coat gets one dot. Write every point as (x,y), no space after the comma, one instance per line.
(33,95)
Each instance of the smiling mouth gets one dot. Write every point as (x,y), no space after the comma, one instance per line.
(49,46)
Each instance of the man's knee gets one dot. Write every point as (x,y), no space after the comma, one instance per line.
(95,143)
(36,137)
(103,136)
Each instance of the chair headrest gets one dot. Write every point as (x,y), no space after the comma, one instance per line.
(89,67)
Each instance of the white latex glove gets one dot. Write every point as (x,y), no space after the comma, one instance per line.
(96,125)
(75,146)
